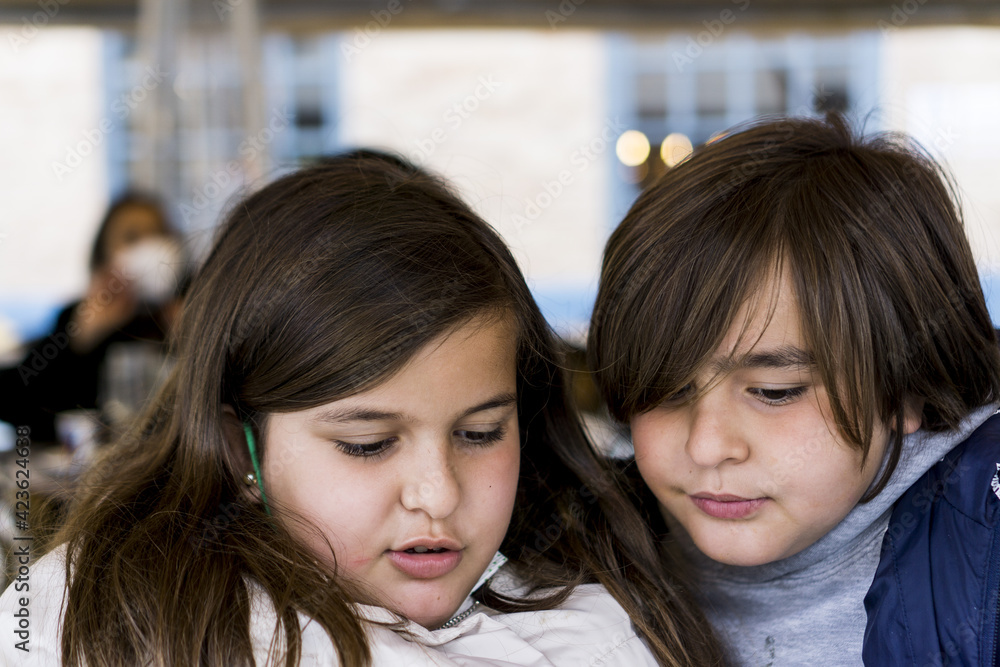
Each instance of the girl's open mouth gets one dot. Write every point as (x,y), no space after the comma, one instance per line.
(424,562)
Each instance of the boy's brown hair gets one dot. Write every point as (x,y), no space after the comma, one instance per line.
(868,230)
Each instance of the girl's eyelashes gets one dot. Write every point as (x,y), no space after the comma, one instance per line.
(777,396)
(365,450)
(370,450)
(482,438)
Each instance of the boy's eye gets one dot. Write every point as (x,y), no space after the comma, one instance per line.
(482,438)
(364,450)
(777,396)
(678,396)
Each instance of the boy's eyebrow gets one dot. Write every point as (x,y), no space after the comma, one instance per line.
(786,357)
(336,416)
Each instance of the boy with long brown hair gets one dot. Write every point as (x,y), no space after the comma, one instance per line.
(792,325)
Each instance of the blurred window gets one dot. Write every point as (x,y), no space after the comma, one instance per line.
(698,85)
(299,118)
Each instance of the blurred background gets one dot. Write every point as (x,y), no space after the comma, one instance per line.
(548,115)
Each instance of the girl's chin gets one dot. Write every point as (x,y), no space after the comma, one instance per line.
(414,606)
(431,619)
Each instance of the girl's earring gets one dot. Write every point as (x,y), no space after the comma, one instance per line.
(255,477)
(250,479)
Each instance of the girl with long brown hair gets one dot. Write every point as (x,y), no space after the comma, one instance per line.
(366,410)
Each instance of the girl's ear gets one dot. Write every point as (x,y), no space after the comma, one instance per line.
(236,440)
(913,414)
(235,433)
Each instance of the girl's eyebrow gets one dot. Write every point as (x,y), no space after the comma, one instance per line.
(498,401)
(786,357)
(338,416)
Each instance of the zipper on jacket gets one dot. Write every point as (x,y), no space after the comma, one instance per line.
(991,659)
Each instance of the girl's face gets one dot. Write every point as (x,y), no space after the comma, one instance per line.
(412,482)
(755,469)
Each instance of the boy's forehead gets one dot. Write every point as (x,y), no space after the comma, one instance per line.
(766,331)
(784,357)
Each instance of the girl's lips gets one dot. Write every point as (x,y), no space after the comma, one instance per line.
(429,565)
(727,507)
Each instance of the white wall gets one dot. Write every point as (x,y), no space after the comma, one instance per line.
(51,104)
(942,85)
(503,114)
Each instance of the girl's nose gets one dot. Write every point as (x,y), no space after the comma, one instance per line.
(431,483)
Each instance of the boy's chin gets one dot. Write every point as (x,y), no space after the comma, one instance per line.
(739,559)
(743,553)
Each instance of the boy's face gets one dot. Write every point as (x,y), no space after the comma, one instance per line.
(755,469)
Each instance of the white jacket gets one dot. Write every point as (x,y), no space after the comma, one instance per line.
(589,629)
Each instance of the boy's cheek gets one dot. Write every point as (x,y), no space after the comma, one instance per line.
(653,436)
(656,465)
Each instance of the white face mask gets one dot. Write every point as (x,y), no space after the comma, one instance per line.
(153,266)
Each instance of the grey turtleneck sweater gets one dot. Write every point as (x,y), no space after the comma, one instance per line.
(808,609)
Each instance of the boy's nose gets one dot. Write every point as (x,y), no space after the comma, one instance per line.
(713,437)
(431,484)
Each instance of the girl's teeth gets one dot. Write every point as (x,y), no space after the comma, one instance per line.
(420,550)
(424,550)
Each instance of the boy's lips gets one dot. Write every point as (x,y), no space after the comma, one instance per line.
(726,506)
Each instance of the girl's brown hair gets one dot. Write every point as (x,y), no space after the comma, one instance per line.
(321,285)
(870,233)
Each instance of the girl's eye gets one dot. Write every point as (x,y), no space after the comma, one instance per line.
(482,438)
(365,450)
(777,396)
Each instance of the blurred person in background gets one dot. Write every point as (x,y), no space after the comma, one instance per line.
(135,268)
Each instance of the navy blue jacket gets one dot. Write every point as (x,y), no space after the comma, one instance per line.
(935,596)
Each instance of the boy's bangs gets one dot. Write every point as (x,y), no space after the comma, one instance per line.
(682,312)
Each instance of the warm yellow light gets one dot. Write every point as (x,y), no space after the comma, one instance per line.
(632,148)
(675,147)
